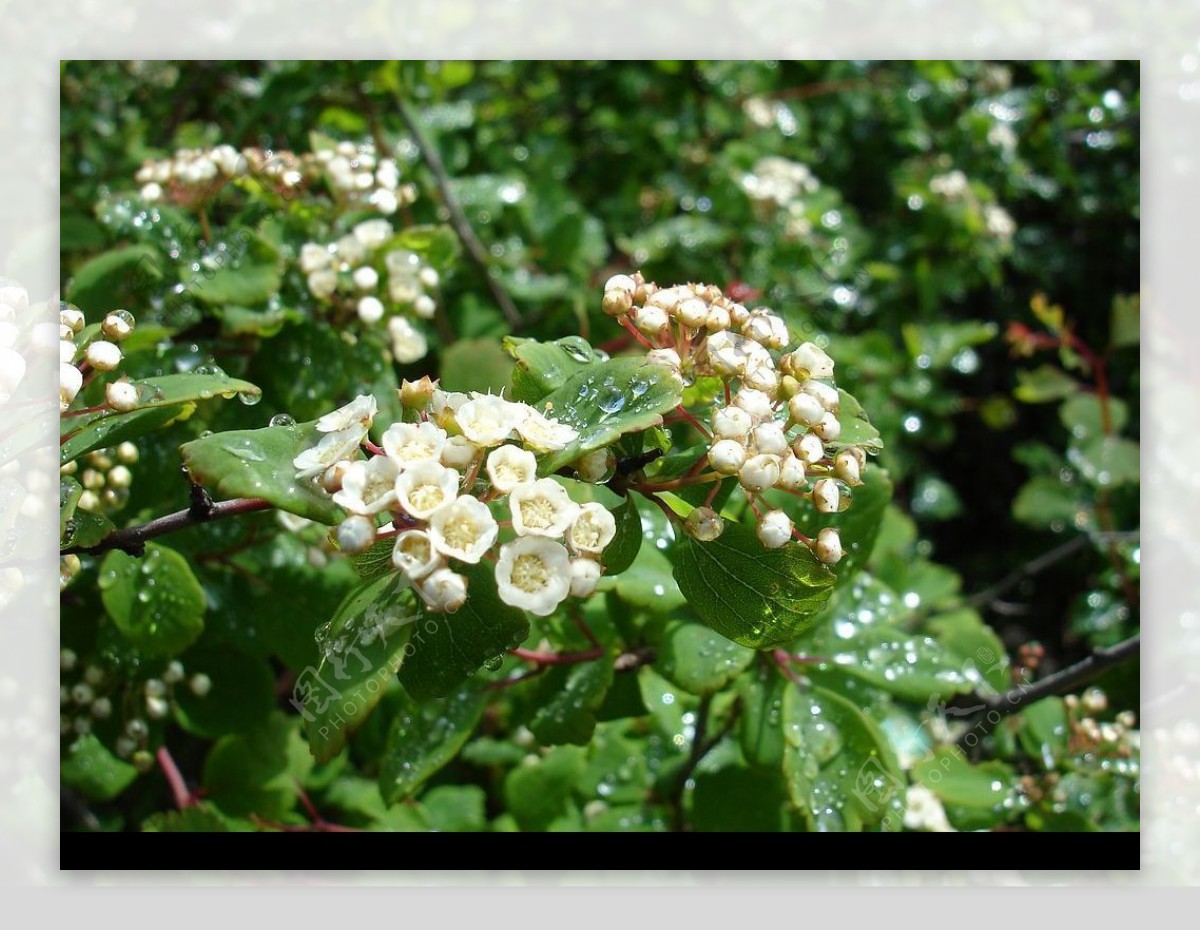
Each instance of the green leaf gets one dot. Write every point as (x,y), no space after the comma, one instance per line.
(160,400)
(858,526)
(841,772)
(1043,732)
(200,818)
(361,648)
(69,492)
(258,772)
(475,365)
(621,552)
(957,782)
(760,598)
(1107,461)
(698,659)
(739,800)
(1126,321)
(683,233)
(375,561)
(1083,415)
(1044,384)
(648,583)
(544,367)
(115,278)
(760,730)
(456,808)
(941,343)
(607,400)
(963,633)
(258,463)
(449,648)
(1043,501)
(241,696)
(536,794)
(424,737)
(856,427)
(250,272)
(859,640)
(569,697)
(86,529)
(155,601)
(93,771)
(437,245)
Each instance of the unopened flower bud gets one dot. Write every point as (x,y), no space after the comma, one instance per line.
(704,524)
(759,472)
(331,478)
(727,456)
(620,282)
(71,317)
(415,395)
(762,378)
(370,309)
(826,496)
(692,313)
(651,320)
(593,467)
(173,674)
(755,403)
(769,438)
(458,452)
(826,395)
(157,708)
(808,361)
(103,356)
(846,467)
(585,575)
(356,534)
(1094,701)
(717,320)
(791,472)
(732,423)
(828,428)
(775,529)
(668,357)
(122,396)
(809,448)
(444,590)
(199,684)
(827,547)
(617,303)
(805,409)
(118,325)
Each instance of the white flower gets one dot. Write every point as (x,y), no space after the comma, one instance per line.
(726,456)
(731,423)
(314,257)
(103,356)
(459,452)
(775,529)
(999,223)
(808,361)
(408,343)
(371,234)
(759,472)
(809,448)
(620,282)
(444,591)
(846,467)
(541,508)
(585,575)
(544,433)
(924,811)
(329,452)
(368,487)
(387,174)
(826,495)
(365,278)
(426,486)
(769,438)
(509,466)
(464,529)
(151,192)
(355,534)
(414,554)
(385,201)
(488,420)
(70,380)
(533,574)
(121,396)
(805,409)
(359,413)
(370,309)
(755,403)
(593,528)
(350,250)
(409,443)
(828,428)
(322,283)
(791,472)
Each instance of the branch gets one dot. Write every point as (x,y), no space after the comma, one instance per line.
(132,539)
(462,227)
(1028,570)
(1062,682)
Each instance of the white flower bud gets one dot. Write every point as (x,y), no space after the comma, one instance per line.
(458,452)
(118,325)
(616,303)
(826,495)
(314,257)
(718,320)
(692,313)
(70,380)
(846,467)
(332,477)
(127,452)
(157,708)
(173,674)
(122,396)
(727,456)
(370,309)
(775,529)
(365,278)
(356,534)
(805,409)
(154,687)
(704,524)
(415,555)
(425,307)
(828,427)
(444,591)
(620,282)
(322,283)
(828,546)
(120,477)
(809,448)
(791,472)
(762,378)
(371,234)
(755,403)
(668,357)
(428,277)
(769,438)
(593,467)
(101,708)
(103,356)
(651,320)
(826,394)
(808,361)
(82,694)
(585,575)
(151,192)
(732,423)
(759,472)
(200,684)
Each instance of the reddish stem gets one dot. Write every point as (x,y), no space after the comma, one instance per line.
(179,789)
(372,448)
(692,420)
(83,410)
(558,658)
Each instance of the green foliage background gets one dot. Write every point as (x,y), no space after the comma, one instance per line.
(1009,423)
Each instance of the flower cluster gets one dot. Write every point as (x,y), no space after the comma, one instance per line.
(778,425)
(94,696)
(441,479)
(105,477)
(360,268)
(84,355)
(955,186)
(353,174)
(779,183)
